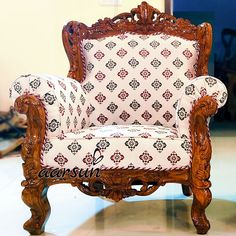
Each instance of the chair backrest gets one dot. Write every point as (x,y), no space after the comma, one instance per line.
(134,67)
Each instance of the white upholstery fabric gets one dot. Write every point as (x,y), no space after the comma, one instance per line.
(197,88)
(64,100)
(137,89)
(123,146)
(137,79)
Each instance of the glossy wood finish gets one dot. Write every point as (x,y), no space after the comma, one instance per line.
(186,190)
(200,171)
(141,20)
(34,194)
(118,184)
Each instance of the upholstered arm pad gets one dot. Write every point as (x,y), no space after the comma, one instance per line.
(196,89)
(63,98)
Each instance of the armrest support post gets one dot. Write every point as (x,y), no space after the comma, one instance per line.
(35,190)
(35,134)
(204,108)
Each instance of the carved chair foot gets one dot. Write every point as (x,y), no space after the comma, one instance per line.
(201,199)
(200,222)
(202,227)
(33,228)
(186,190)
(36,198)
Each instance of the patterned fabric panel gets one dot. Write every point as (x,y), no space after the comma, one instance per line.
(197,88)
(122,146)
(137,79)
(64,100)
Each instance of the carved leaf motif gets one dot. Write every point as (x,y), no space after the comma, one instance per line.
(143,20)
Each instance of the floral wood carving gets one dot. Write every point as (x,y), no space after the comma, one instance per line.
(201,144)
(204,108)
(31,148)
(114,185)
(118,184)
(35,190)
(141,20)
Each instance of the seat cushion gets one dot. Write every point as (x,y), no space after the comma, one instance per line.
(122,146)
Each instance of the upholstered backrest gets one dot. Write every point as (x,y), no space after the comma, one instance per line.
(137,79)
(134,67)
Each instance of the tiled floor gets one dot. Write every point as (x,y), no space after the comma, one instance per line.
(166,212)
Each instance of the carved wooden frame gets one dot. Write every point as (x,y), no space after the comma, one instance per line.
(117,184)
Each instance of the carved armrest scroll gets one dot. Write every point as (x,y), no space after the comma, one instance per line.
(35,134)
(204,108)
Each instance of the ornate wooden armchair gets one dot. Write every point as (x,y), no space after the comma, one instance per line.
(134,110)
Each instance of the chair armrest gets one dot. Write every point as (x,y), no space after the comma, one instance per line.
(199,90)
(63,99)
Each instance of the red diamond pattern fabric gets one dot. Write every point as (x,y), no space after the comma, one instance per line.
(141,76)
(66,106)
(122,146)
(134,105)
(195,89)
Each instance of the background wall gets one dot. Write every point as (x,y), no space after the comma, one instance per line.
(223,11)
(30,40)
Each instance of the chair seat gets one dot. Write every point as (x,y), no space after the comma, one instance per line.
(122,146)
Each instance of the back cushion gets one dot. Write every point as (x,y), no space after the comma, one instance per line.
(137,79)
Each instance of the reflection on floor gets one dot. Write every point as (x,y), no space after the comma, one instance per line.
(163,217)
(74,213)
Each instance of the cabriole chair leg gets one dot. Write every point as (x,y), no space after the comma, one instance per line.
(201,199)
(36,198)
